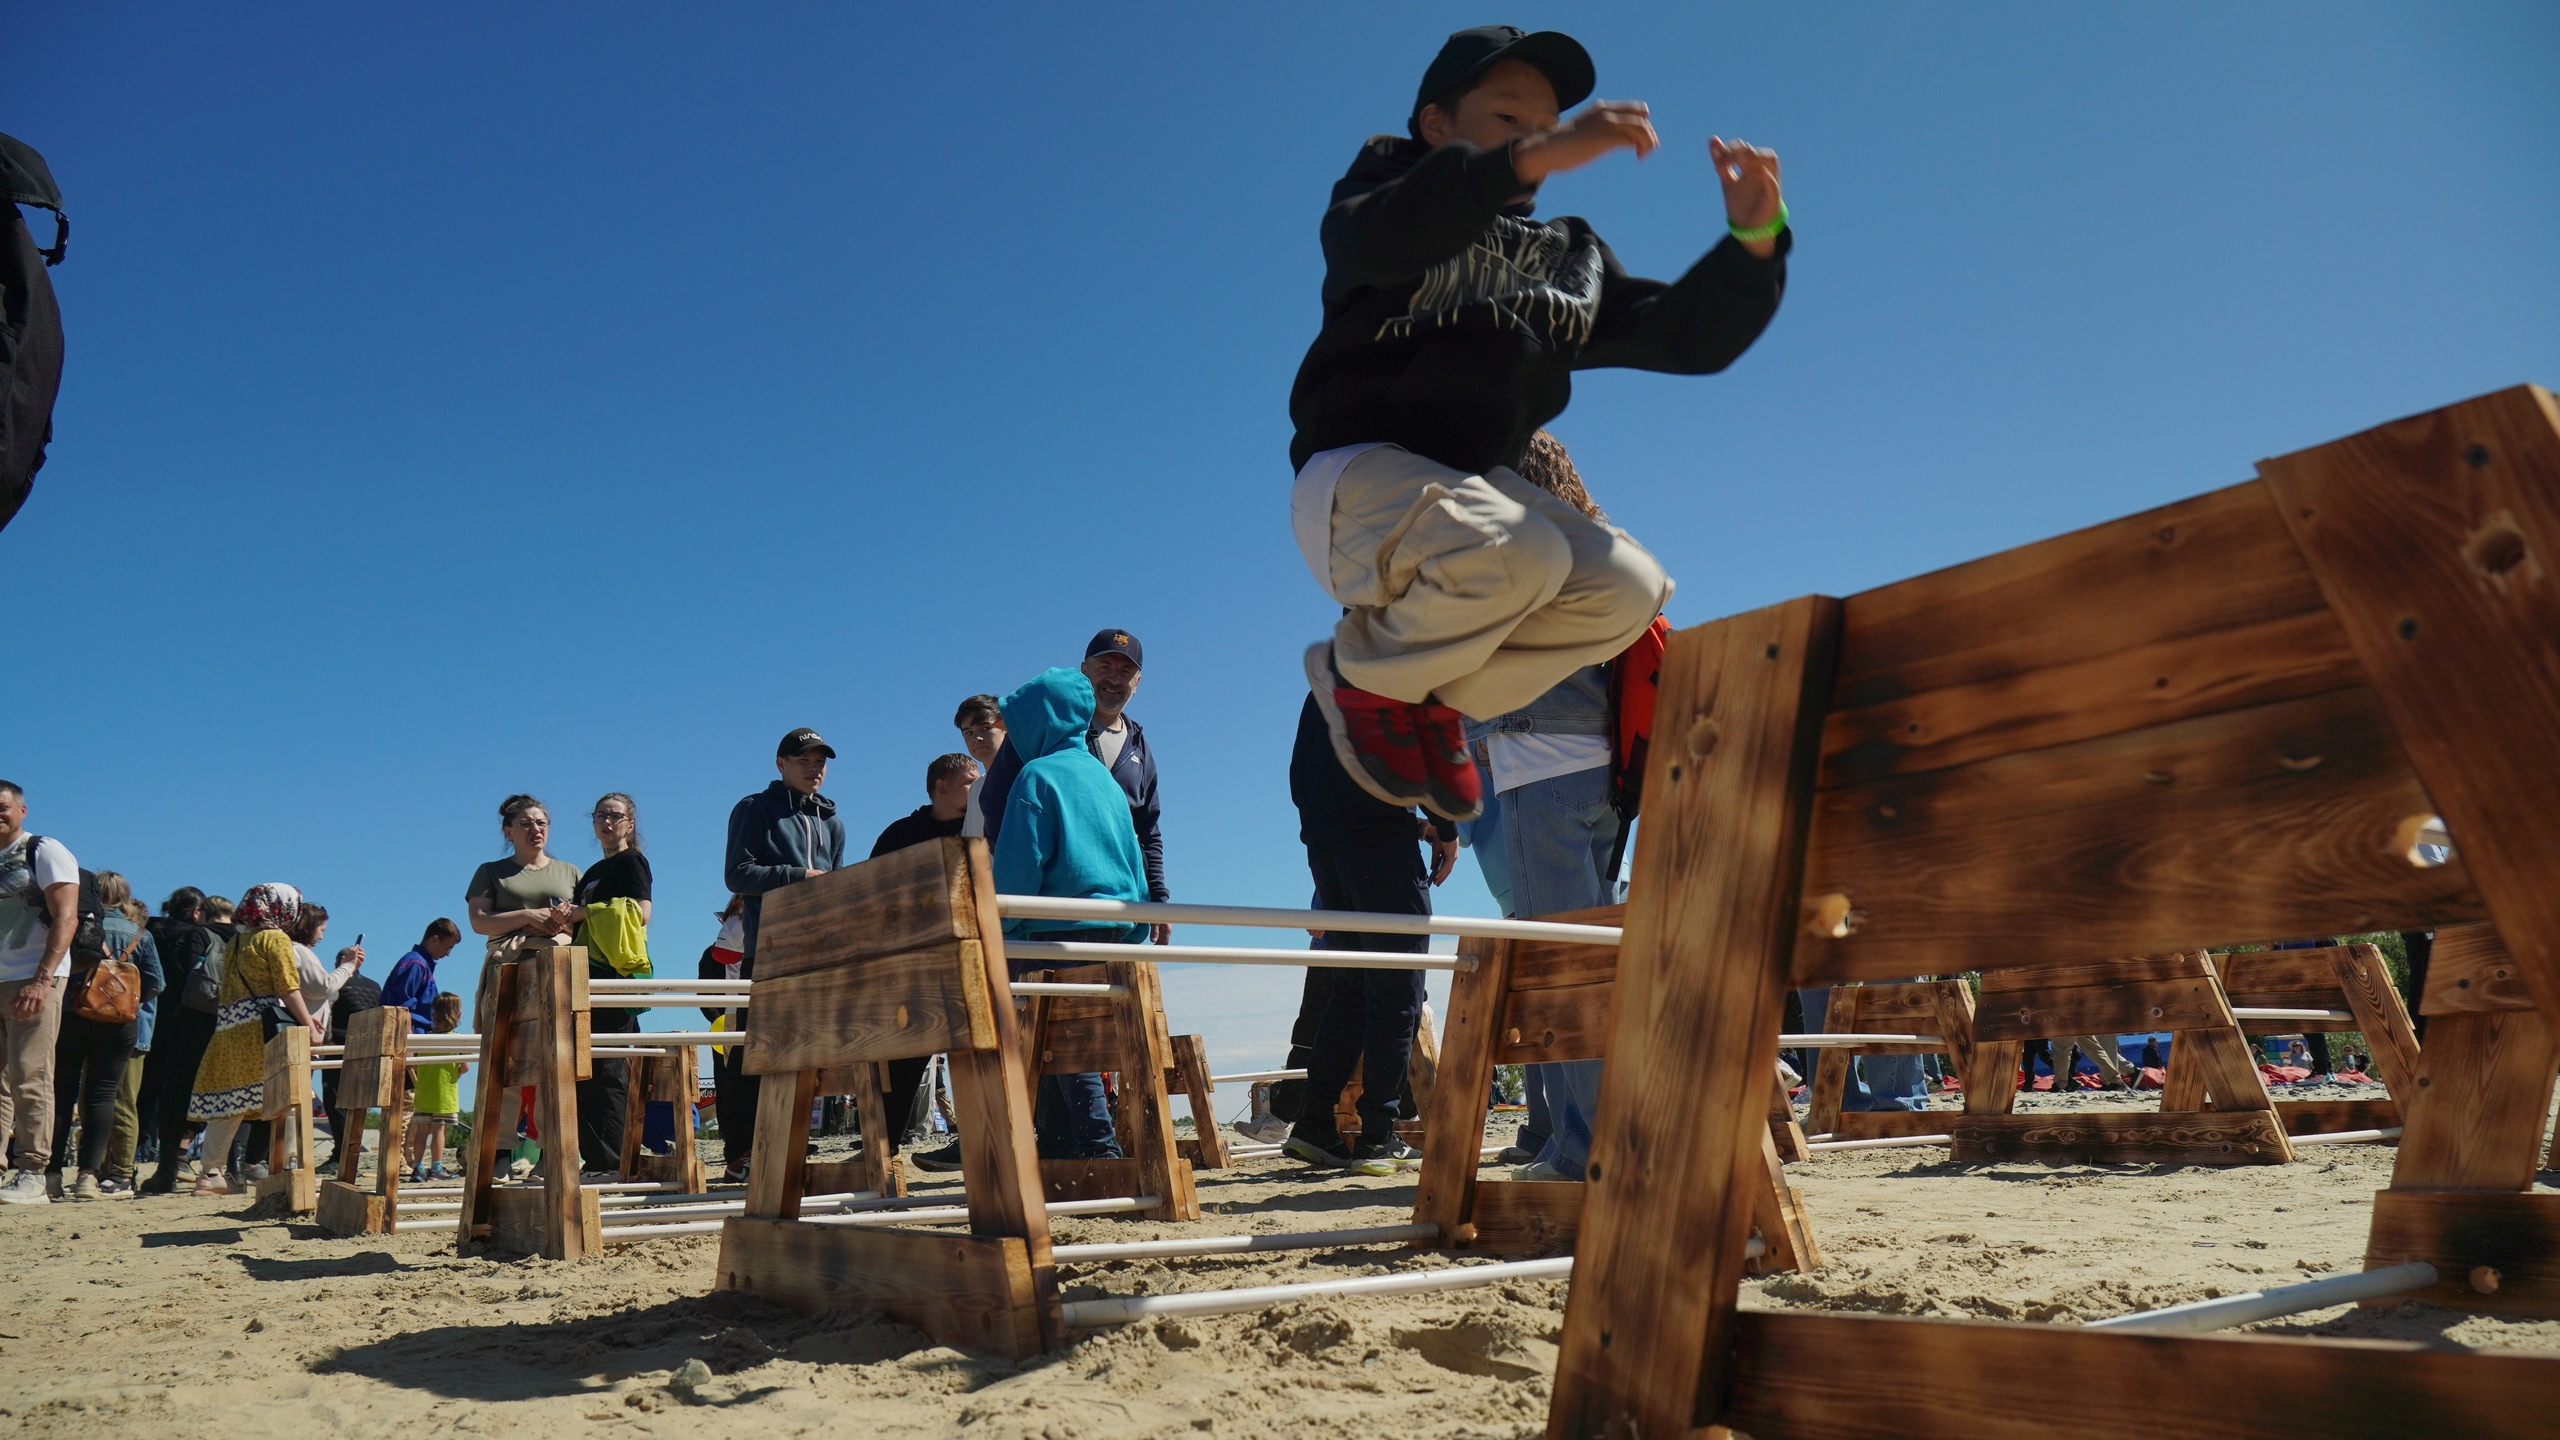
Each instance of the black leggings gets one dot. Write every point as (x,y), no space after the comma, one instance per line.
(178,1044)
(88,1069)
(1369,1016)
(605,1095)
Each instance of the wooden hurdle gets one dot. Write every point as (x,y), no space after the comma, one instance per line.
(2228,718)
(2346,980)
(1525,1002)
(899,957)
(373,1073)
(533,1031)
(286,1107)
(674,1077)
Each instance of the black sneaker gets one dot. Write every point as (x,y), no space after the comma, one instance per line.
(1326,1153)
(942,1161)
(1384,1157)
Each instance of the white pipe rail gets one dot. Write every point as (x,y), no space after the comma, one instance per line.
(1881,1142)
(1049,987)
(867,1216)
(2347,1137)
(2267,1012)
(1044,907)
(2248,1309)
(1123,1310)
(1256,1077)
(651,985)
(1852,1040)
(1089,952)
(1246,1244)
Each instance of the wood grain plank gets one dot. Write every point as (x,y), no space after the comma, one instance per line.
(2099,1137)
(778,1164)
(1544,1025)
(2515,1234)
(1966,1380)
(1784,1130)
(480,1160)
(889,1007)
(2475,1115)
(2470,971)
(1445,1194)
(975,1292)
(344,1208)
(2329,1117)
(558,982)
(522,1222)
(1991,1081)
(911,899)
(2102,1010)
(1146,1112)
(1880,1124)
(1520,1218)
(2198,606)
(1702,976)
(2277,820)
(1831,1067)
(2380,1014)
(991,1095)
(1191,1063)
(881,1171)
(1779,1219)
(2116,970)
(1879,1002)
(2436,540)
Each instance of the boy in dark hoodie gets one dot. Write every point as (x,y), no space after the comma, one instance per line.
(1066,833)
(1452,324)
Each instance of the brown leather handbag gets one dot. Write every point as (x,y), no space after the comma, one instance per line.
(110,992)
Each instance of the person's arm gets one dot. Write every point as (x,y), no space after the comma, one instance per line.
(1022,853)
(1148,816)
(1697,325)
(318,1025)
(62,912)
(744,874)
(350,960)
(493,923)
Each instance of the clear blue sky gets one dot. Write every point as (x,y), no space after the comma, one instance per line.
(575,397)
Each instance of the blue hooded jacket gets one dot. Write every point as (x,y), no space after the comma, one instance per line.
(1066,825)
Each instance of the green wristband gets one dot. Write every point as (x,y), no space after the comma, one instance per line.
(1758,233)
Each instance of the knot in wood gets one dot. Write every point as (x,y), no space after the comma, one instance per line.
(1703,736)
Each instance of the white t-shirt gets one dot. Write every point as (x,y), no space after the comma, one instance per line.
(25,924)
(973,823)
(1111,742)
(1525,757)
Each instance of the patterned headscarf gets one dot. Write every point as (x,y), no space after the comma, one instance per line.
(267,907)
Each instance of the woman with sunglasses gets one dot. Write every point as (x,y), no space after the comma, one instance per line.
(623,874)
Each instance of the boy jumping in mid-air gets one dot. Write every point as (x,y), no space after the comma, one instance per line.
(1453,323)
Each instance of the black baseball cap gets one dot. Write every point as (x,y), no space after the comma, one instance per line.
(1469,53)
(1116,642)
(801,742)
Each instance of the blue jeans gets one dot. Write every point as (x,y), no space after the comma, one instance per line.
(1876,1082)
(1544,848)
(1072,1114)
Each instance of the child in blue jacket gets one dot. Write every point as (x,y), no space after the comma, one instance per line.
(1066,832)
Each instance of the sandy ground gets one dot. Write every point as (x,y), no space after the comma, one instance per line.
(198,1313)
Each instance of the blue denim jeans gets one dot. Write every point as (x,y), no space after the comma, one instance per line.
(1071,1114)
(1544,848)
(1876,1082)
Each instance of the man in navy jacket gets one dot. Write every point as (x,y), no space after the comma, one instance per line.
(781,835)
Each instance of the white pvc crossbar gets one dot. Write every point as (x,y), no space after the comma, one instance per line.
(1852,1041)
(1244,1244)
(2347,1137)
(1256,1077)
(1053,987)
(1043,907)
(1126,1309)
(867,1216)
(1881,1142)
(619,1001)
(651,985)
(2263,1012)
(2230,1310)
(1087,952)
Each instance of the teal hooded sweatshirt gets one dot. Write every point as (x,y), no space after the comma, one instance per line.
(1066,829)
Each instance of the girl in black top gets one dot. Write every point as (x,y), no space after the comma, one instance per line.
(623,874)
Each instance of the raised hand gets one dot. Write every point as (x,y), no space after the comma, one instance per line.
(1607,125)
(1749,176)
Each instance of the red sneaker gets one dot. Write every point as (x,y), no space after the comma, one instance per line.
(1373,735)
(1457,787)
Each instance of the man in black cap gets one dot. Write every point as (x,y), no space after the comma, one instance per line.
(781,835)
(1114,661)
(1453,322)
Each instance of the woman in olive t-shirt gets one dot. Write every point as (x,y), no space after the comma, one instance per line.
(526,901)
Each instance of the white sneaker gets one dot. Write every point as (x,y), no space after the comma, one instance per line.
(255,1173)
(1268,1130)
(1541,1170)
(23,1187)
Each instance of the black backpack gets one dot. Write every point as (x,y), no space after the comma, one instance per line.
(30,324)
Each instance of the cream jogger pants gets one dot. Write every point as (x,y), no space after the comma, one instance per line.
(1483,591)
